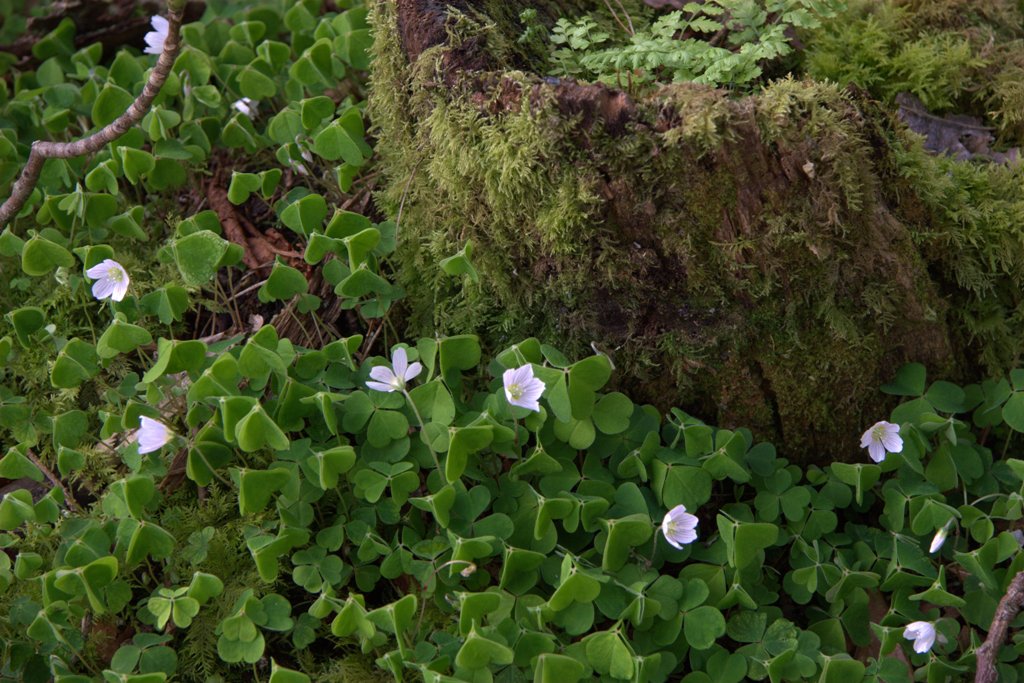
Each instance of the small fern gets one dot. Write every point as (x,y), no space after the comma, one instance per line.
(719,42)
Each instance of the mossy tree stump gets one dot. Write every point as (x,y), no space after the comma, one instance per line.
(761,260)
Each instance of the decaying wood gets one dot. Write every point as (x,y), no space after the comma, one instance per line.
(256,252)
(766,185)
(1008,608)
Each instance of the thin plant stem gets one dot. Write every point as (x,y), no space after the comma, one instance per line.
(69,500)
(419,419)
(629,20)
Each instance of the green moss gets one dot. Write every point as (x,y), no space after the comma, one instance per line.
(768,261)
(965,56)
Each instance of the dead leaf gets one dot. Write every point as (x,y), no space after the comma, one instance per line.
(956,135)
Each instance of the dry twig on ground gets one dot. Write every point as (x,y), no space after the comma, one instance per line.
(43,150)
(1011,603)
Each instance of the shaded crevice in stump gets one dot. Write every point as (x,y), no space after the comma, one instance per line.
(763,261)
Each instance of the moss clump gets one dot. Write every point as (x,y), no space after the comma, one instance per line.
(965,56)
(766,261)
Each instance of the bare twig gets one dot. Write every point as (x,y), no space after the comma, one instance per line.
(1008,607)
(629,20)
(54,479)
(43,150)
(615,16)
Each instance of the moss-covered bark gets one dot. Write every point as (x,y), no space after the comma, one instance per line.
(766,261)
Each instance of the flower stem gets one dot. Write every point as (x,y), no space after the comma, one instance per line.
(419,419)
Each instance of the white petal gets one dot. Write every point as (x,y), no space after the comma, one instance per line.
(672,542)
(923,635)
(101,289)
(119,290)
(524,402)
(413,371)
(533,389)
(377,386)
(685,536)
(153,435)
(865,439)
(99,270)
(154,44)
(524,374)
(246,106)
(938,540)
(687,521)
(400,361)
(876,451)
(675,513)
(382,373)
(892,442)
(156,38)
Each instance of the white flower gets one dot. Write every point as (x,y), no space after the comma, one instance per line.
(155,38)
(246,106)
(153,435)
(111,280)
(880,438)
(940,538)
(679,527)
(388,380)
(468,571)
(522,389)
(923,635)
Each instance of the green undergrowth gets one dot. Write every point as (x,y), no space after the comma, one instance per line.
(959,56)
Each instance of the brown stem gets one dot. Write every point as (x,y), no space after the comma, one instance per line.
(54,479)
(1005,612)
(43,150)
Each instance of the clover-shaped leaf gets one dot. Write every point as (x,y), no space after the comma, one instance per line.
(256,487)
(283,283)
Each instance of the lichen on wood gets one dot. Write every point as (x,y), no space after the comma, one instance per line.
(766,261)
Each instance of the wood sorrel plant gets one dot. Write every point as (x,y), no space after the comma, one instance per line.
(277,517)
(446,533)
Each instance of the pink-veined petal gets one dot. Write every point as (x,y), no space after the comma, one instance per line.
(876,451)
(413,371)
(382,373)
(892,442)
(101,289)
(685,536)
(378,386)
(119,290)
(400,361)
(99,270)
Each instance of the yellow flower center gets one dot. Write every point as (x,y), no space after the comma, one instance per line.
(515,391)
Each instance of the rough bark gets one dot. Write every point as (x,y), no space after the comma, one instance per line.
(757,260)
(1008,608)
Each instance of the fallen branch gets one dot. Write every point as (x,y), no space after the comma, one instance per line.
(1008,607)
(43,150)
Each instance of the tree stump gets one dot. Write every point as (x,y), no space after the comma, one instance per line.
(762,261)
